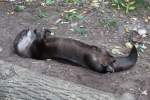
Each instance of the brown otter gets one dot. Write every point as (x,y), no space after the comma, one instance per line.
(38,45)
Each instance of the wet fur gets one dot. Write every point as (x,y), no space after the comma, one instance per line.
(95,58)
(77,52)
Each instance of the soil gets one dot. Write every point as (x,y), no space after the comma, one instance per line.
(135,80)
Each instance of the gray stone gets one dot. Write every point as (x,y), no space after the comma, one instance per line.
(127,96)
(17,83)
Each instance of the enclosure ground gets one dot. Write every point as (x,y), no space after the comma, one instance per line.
(135,81)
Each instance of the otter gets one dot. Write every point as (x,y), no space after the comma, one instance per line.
(41,46)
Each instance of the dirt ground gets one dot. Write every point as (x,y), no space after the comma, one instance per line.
(135,80)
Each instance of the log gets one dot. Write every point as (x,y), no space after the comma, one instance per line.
(17,83)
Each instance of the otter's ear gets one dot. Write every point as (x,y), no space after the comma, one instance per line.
(47,33)
(35,31)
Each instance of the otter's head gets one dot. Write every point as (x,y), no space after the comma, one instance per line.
(24,41)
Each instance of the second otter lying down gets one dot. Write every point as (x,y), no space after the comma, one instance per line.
(38,45)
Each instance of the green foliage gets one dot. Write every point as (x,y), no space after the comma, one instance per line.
(116,3)
(127,5)
(108,23)
(112,23)
(42,14)
(139,1)
(130,5)
(81,30)
(19,8)
(142,3)
(78,2)
(72,15)
(49,2)
(147,6)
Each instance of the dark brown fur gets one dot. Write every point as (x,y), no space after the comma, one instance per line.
(95,58)
(77,52)
(125,63)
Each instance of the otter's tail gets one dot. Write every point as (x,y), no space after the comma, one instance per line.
(125,63)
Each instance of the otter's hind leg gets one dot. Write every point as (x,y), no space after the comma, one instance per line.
(93,63)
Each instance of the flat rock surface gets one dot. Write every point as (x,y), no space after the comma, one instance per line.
(17,83)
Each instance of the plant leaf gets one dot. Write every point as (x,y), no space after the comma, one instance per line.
(132,8)
(42,14)
(19,8)
(128,45)
(123,5)
(132,3)
(49,2)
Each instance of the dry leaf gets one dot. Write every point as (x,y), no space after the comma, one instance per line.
(128,45)
(116,51)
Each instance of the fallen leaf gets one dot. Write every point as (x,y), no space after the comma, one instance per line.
(126,29)
(128,45)
(58,20)
(148,17)
(146,20)
(95,3)
(116,51)
(1,49)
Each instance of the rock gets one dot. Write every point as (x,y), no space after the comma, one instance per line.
(17,83)
(142,32)
(1,49)
(127,96)
(130,85)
